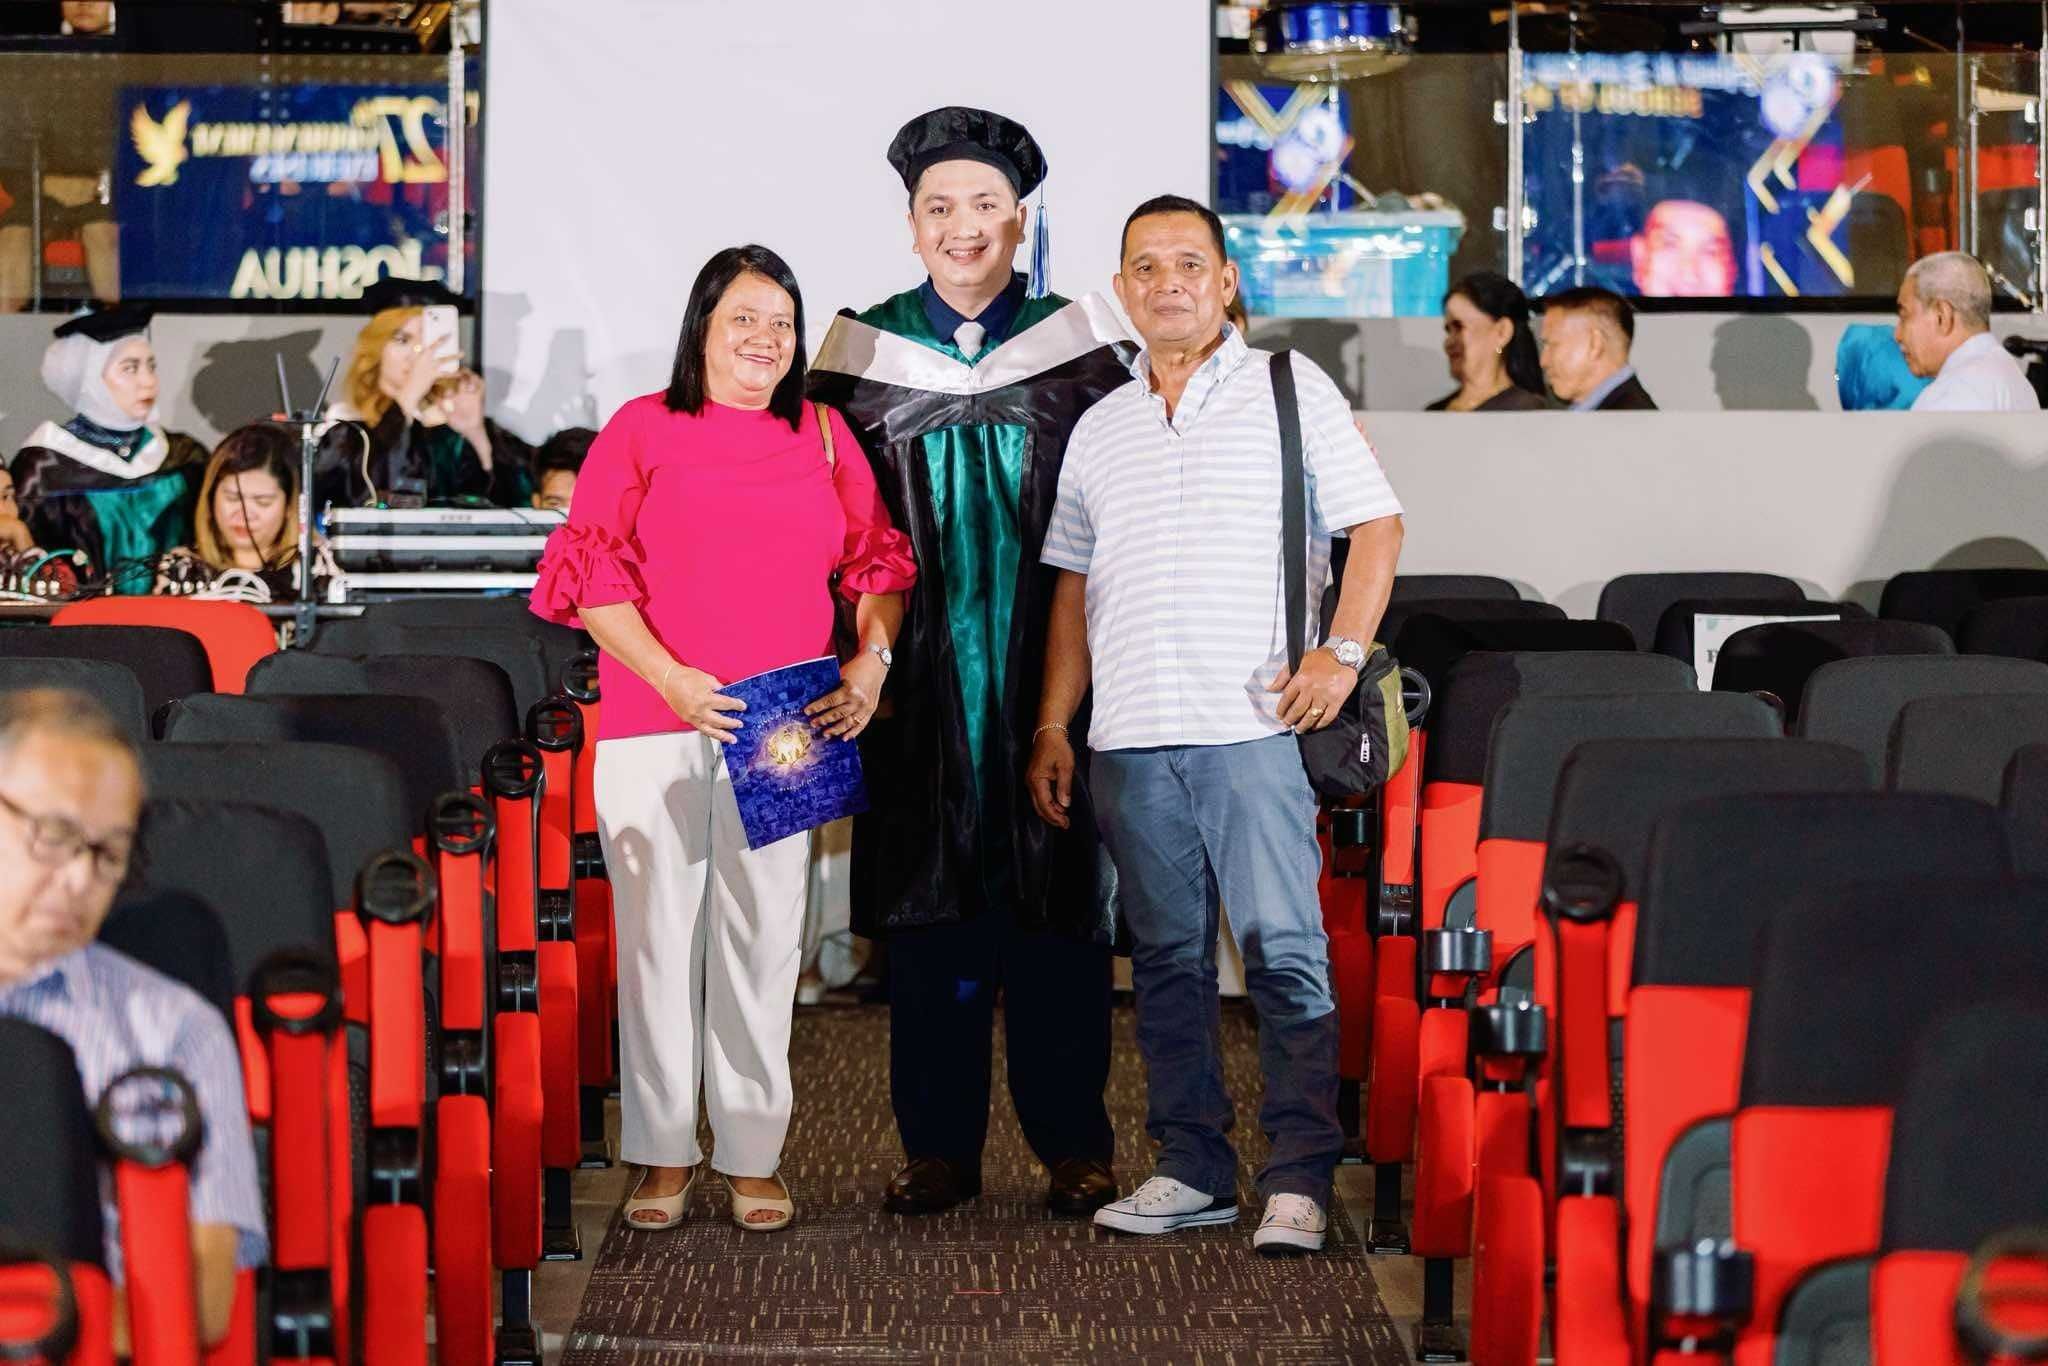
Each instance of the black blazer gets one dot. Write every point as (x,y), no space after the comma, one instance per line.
(1629,396)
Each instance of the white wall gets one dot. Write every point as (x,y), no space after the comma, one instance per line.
(706,124)
(1562,502)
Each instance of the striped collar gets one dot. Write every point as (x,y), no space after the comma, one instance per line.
(66,976)
(1223,362)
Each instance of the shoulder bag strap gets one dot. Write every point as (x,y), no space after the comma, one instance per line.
(1293,506)
(825,427)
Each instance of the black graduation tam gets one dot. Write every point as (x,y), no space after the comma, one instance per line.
(108,324)
(392,292)
(957,133)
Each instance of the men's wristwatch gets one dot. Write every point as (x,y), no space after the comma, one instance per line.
(883,653)
(1348,652)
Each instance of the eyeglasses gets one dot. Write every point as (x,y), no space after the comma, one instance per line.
(54,841)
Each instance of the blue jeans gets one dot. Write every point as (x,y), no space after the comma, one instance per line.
(1192,827)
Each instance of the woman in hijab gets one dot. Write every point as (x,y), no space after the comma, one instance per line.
(109,482)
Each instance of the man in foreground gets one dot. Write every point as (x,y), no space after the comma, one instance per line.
(70,794)
(1168,533)
(963,390)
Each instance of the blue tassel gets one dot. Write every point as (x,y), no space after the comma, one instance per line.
(1041,253)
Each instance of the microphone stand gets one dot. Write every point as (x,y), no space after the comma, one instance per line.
(306,612)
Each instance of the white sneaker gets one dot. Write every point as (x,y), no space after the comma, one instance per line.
(1293,1223)
(1162,1205)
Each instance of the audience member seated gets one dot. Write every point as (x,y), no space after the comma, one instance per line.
(1944,330)
(1490,348)
(109,482)
(1587,334)
(556,465)
(415,422)
(247,519)
(70,794)
(14,533)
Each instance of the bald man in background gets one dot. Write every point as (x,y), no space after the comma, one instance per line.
(1587,334)
(1944,331)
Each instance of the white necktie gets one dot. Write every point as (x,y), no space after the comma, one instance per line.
(969,336)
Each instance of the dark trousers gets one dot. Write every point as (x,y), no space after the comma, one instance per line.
(943,983)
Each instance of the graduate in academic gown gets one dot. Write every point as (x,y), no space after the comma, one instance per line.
(963,392)
(109,482)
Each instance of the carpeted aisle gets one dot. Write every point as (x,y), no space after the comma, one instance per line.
(996,1281)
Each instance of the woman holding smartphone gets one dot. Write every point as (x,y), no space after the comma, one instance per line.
(409,425)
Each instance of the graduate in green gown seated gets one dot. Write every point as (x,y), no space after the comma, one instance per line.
(963,391)
(109,481)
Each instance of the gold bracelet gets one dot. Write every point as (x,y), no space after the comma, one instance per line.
(1051,725)
(664,676)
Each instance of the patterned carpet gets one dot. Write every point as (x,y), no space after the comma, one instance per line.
(995,1281)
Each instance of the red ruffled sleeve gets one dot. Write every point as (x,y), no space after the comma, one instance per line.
(591,561)
(876,557)
(584,566)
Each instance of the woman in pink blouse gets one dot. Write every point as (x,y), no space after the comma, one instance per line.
(707,527)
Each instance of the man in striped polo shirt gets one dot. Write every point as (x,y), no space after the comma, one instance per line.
(1168,529)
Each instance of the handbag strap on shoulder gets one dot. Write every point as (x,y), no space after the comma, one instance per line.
(1293,506)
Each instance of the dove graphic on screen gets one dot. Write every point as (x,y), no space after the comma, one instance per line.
(160,144)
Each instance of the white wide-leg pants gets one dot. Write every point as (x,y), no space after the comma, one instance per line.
(710,939)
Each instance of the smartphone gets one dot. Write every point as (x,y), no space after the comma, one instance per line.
(438,337)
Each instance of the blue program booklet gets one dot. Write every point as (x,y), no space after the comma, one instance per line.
(787,777)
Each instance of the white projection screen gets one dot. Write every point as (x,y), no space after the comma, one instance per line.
(628,140)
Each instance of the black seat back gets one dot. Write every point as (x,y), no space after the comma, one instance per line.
(1969,1132)
(1857,702)
(1850,978)
(474,694)
(1720,869)
(168,664)
(51,1197)
(1963,744)
(113,686)
(1398,614)
(262,870)
(1639,601)
(1611,792)
(2014,627)
(1533,737)
(1779,659)
(1676,634)
(1431,643)
(518,653)
(1479,684)
(1943,597)
(412,732)
(559,644)
(180,936)
(355,797)
(2025,804)
(1408,587)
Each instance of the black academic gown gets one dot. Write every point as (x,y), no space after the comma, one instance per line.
(980,898)
(932,844)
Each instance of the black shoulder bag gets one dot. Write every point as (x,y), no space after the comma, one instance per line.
(1368,741)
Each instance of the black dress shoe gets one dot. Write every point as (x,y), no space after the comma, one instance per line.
(1079,1187)
(929,1185)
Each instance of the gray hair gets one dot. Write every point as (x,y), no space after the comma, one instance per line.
(62,713)
(1957,279)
